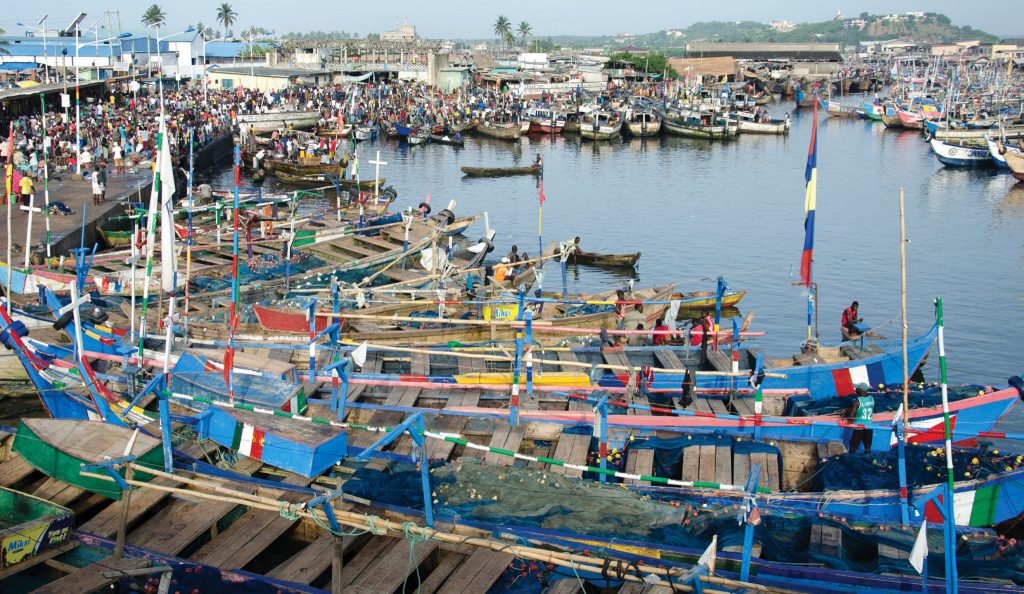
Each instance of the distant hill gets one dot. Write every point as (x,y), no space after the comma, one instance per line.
(926,27)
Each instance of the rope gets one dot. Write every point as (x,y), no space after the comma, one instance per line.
(288,512)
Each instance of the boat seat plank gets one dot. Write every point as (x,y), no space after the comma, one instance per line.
(478,572)
(639,461)
(570,448)
(772,464)
(507,438)
(365,556)
(250,534)
(439,449)
(701,404)
(420,364)
(668,359)
(309,563)
(723,465)
(707,460)
(377,242)
(91,577)
(14,471)
(566,586)
(717,406)
(720,361)
(439,575)
(691,464)
(635,588)
(567,356)
(744,406)
(615,357)
(58,492)
(740,469)
(391,570)
(760,458)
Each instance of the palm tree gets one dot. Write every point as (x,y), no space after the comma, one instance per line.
(200,29)
(153,17)
(503,28)
(3,50)
(226,16)
(524,30)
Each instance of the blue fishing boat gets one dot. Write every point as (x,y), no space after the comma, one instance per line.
(961,155)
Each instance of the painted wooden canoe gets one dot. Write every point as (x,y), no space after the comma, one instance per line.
(321,179)
(59,447)
(595,259)
(1015,161)
(706,299)
(30,526)
(501,130)
(447,139)
(500,171)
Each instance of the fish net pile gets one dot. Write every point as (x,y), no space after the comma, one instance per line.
(924,466)
(887,399)
(260,267)
(535,501)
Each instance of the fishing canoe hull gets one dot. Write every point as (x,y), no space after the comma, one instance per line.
(500,171)
(510,131)
(593,259)
(30,526)
(59,447)
(958,155)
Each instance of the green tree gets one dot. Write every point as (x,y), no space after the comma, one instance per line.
(503,28)
(3,50)
(524,30)
(226,16)
(153,16)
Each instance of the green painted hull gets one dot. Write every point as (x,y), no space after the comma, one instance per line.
(65,467)
(30,526)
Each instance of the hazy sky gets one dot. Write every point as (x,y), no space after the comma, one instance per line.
(443,19)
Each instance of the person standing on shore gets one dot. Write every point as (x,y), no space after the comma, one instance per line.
(97,187)
(26,187)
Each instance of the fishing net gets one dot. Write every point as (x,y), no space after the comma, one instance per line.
(924,466)
(536,500)
(887,399)
(260,267)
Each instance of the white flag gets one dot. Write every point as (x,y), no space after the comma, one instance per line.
(709,553)
(168,258)
(359,354)
(920,550)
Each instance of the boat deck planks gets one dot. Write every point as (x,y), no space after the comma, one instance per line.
(439,575)
(639,461)
(250,534)
(480,570)
(391,570)
(505,437)
(573,449)
(568,586)
(14,471)
(366,555)
(723,465)
(306,565)
(438,449)
(90,578)
(668,359)
(420,364)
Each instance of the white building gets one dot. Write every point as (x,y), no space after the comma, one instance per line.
(405,33)
(783,26)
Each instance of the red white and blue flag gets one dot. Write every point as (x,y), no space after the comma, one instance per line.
(542,197)
(810,202)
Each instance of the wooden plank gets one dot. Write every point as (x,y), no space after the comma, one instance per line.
(691,463)
(14,471)
(566,586)
(707,458)
(420,364)
(478,572)
(440,574)
(639,461)
(438,449)
(58,492)
(667,358)
(772,463)
(760,458)
(44,557)
(90,578)
(701,404)
(366,555)
(740,468)
(570,448)
(717,406)
(723,465)
(507,438)
(743,406)
(309,563)
(389,571)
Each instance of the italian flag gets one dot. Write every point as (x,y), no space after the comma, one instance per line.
(248,441)
(976,507)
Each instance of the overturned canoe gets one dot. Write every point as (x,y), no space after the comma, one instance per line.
(500,171)
(592,259)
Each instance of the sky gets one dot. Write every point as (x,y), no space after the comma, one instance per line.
(475,20)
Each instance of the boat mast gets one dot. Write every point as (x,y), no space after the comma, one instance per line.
(903,308)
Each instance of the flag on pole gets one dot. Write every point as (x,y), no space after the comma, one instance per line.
(810,201)
(709,554)
(359,354)
(542,197)
(165,174)
(920,550)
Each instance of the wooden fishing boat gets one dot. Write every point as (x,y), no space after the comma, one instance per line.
(699,125)
(30,527)
(600,125)
(968,131)
(1015,162)
(308,180)
(449,139)
(873,111)
(890,117)
(748,123)
(500,171)
(417,138)
(644,123)
(961,155)
(59,448)
(706,299)
(274,120)
(501,130)
(341,132)
(594,259)
(837,109)
(544,120)
(301,166)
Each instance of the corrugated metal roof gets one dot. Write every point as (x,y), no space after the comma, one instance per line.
(226,49)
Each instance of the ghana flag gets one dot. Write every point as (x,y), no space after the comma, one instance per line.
(810,201)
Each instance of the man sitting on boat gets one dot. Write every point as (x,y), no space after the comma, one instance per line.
(851,324)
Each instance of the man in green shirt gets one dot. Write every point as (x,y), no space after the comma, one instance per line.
(861,412)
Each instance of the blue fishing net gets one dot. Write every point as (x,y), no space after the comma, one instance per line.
(512,498)
(260,267)
(887,399)
(924,466)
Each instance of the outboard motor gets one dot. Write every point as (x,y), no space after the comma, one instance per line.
(1018,383)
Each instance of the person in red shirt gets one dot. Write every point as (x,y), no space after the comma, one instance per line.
(661,339)
(851,322)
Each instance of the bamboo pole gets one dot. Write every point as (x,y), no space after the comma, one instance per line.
(903,309)
(379,525)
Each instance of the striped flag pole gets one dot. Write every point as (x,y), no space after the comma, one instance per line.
(151,214)
(229,355)
(949,526)
(810,206)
